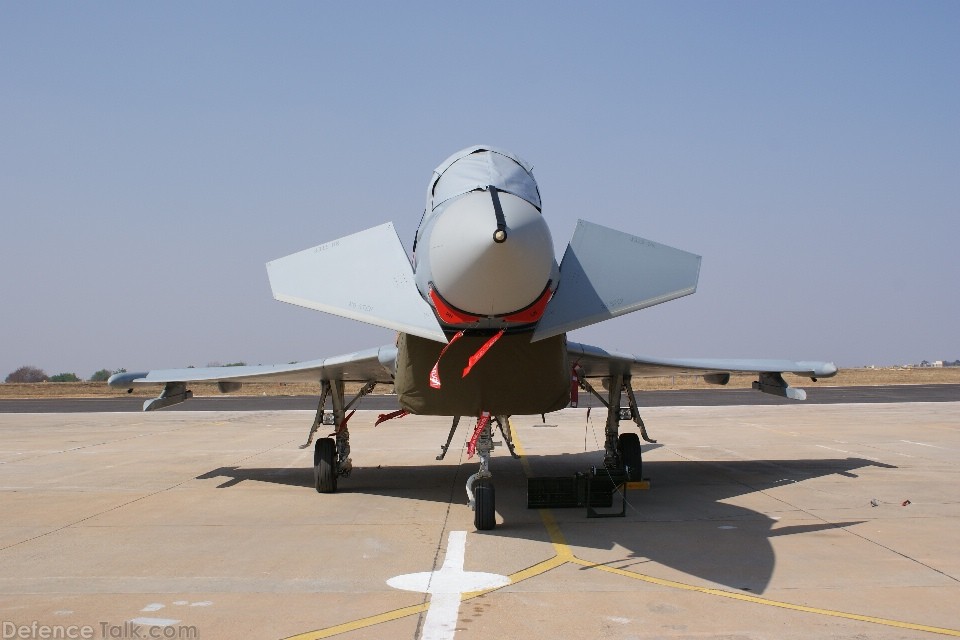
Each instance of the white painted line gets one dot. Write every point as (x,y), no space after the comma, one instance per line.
(832,449)
(924,444)
(441,621)
(446,586)
(851,453)
(155,622)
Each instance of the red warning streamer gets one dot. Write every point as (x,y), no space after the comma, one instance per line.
(383,417)
(482,351)
(474,359)
(343,425)
(481,423)
(435,373)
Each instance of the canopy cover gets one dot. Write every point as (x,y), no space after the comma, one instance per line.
(478,167)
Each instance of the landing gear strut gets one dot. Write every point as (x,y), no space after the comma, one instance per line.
(621,450)
(331,455)
(480,491)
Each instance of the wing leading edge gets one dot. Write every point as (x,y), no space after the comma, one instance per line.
(370,365)
(595,362)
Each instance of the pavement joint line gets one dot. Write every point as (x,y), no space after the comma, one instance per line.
(564,555)
(766,601)
(446,520)
(362,623)
(95,444)
(446,587)
(94,515)
(127,503)
(846,529)
(524,574)
(556,537)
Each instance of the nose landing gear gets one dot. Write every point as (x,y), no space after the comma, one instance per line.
(480,491)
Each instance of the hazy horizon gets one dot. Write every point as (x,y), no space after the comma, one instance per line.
(156,156)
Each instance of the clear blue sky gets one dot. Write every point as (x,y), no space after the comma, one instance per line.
(153,156)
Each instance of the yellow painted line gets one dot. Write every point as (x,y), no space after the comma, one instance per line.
(519,576)
(564,554)
(524,574)
(766,601)
(362,623)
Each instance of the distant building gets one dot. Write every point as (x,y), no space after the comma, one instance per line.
(936,364)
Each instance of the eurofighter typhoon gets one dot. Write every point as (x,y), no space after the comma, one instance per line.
(481,313)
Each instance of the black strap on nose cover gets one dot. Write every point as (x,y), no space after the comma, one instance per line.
(498,211)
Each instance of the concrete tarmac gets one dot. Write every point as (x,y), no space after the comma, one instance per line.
(797,521)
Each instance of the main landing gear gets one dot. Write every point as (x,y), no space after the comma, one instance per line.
(621,450)
(331,455)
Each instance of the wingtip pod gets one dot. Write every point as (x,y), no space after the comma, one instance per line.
(125,380)
(815,369)
(826,370)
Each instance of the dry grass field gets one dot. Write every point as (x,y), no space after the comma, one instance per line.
(846,377)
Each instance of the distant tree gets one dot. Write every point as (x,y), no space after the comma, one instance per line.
(235,364)
(104,374)
(65,377)
(27,374)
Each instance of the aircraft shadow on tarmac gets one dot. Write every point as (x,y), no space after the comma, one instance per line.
(683,522)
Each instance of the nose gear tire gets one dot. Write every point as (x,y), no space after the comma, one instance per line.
(484,514)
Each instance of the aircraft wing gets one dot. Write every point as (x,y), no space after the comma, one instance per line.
(595,362)
(370,365)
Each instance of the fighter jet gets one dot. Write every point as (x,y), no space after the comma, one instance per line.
(481,312)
